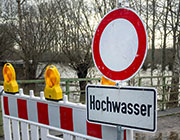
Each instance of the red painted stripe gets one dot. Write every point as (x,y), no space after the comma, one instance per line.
(42,109)
(6,106)
(94,130)
(66,120)
(124,134)
(22,109)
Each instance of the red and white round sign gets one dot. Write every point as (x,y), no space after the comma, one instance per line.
(120,44)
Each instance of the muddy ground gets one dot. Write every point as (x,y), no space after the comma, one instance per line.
(168,127)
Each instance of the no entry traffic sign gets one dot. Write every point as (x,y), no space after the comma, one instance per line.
(120,44)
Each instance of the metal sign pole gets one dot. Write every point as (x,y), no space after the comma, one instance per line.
(120,135)
(129,132)
(119,129)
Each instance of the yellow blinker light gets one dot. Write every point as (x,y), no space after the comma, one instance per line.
(105,81)
(52,90)
(10,84)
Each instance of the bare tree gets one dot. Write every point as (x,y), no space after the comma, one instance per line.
(6,43)
(75,40)
(175,25)
(102,7)
(35,30)
(153,37)
(165,24)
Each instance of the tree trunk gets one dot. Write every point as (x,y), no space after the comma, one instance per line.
(174,96)
(164,40)
(147,14)
(30,74)
(174,86)
(153,40)
(176,58)
(82,84)
(30,70)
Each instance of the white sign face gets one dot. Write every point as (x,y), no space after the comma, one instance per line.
(115,36)
(130,107)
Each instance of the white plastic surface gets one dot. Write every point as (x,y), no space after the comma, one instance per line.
(44,133)
(16,132)
(7,129)
(34,132)
(67,137)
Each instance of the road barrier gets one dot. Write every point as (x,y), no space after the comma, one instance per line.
(27,114)
(38,113)
(34,114)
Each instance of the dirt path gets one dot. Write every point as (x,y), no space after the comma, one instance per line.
(168,126)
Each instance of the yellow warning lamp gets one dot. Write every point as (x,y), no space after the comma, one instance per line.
(105,81)
(52,90)
(10,84)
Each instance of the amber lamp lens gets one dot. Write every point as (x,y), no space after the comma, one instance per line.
(51,78)
(7,74)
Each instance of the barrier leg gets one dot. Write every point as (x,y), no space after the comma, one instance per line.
(24,131)
(44,133)
(15,127)
(67,137)
(34,132)
(7,129)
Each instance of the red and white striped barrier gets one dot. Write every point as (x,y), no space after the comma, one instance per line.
(60,115)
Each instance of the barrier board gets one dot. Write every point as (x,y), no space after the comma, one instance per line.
(61,115)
